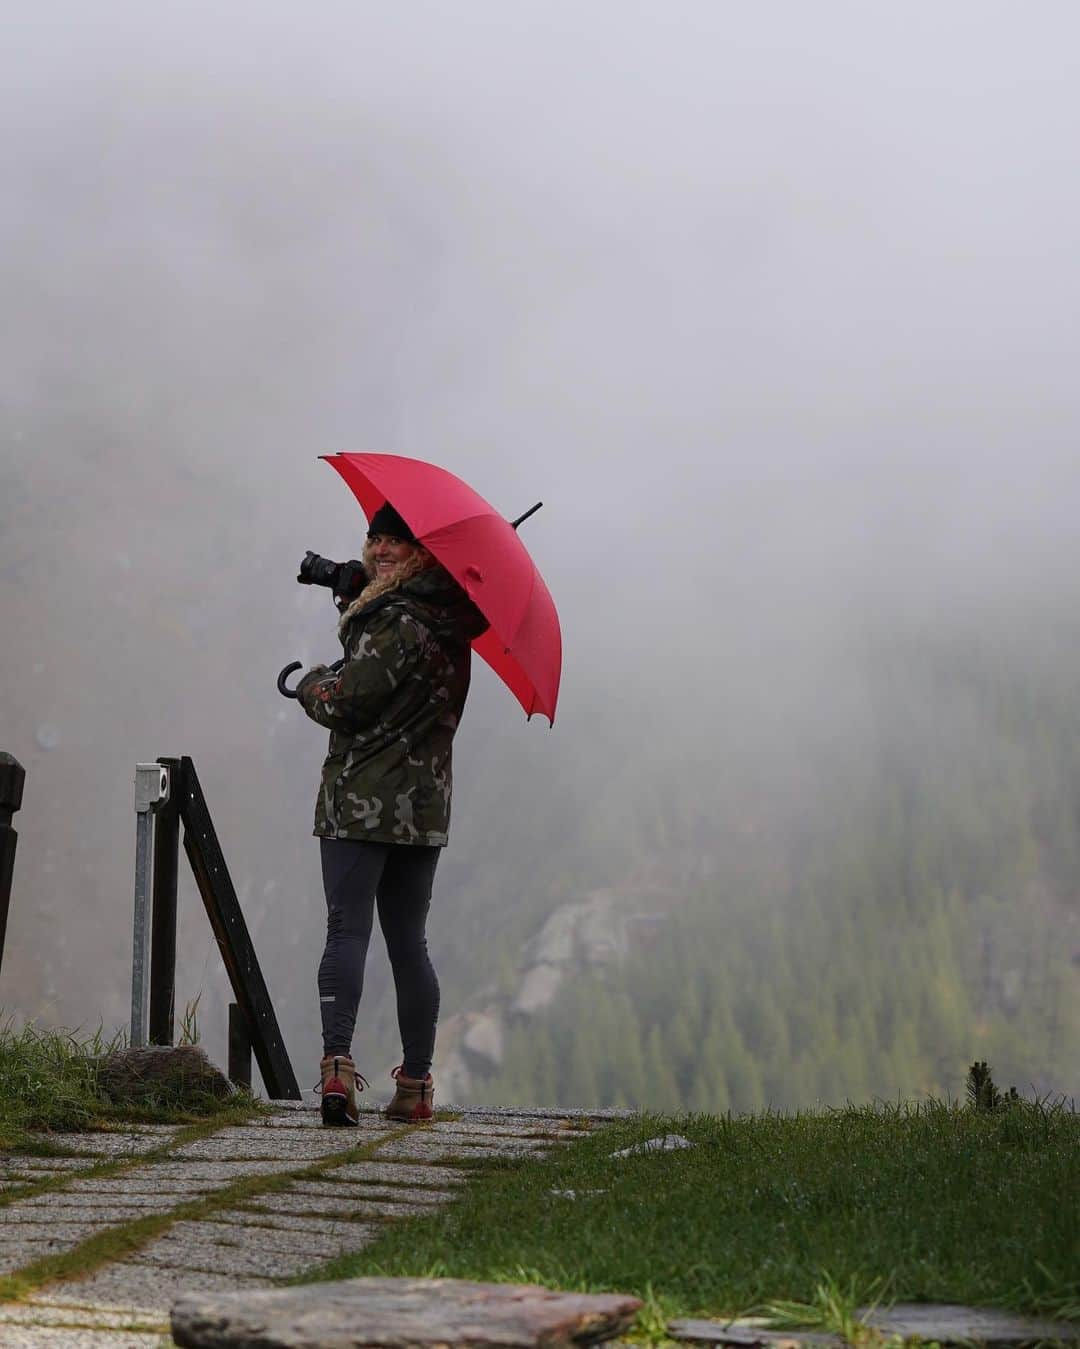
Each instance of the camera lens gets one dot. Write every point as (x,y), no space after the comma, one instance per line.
(318,571)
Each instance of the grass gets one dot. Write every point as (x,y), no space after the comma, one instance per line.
(792,1216)
(49,1082)
(831,1309)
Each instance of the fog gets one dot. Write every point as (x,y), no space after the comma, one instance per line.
(774,307)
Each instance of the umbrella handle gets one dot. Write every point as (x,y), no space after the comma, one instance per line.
(287,692)
(281,685)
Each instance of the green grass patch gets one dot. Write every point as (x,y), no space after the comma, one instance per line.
(49,1081)
(924,1201)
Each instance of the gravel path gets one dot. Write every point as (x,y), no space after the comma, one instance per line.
(245,1241)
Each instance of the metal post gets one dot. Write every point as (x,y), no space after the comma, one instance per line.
(151,788)
(239,1047)
(12,776)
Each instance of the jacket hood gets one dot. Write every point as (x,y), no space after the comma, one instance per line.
(447,610)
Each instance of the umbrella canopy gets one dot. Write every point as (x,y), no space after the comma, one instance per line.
(483,553)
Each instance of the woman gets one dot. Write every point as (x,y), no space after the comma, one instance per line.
(383,809)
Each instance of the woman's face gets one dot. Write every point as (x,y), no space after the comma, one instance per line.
(388,552)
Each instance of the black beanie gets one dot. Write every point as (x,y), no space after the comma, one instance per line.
(387,521)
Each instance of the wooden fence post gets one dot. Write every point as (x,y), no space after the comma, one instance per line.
(234,942)
(239,1047)
(163,921)
(12,777)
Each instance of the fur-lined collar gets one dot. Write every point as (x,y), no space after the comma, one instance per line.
(433,595)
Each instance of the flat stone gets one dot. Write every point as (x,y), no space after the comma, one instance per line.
(301,1148)
(15,1252)
(472,1141)
(100,1189)
(146,1289)
(72,1337)
(178,1177)
(748,1333)
(317,1246)
(389,1173)
(40,1313)
(163,1130)
(295,1119)
(942,1323)
(257,1221)
(949,1324)
(668,1143)
(114,1144)
(219,1173)
(287,1206)
(25,1214)
(247,1256)
(401,1313)
(422,1146)
(506,1113)
(185,1178)
(232,1261)
(40,1207)
(481,1129)
(46,1234)
(15,1165)
(355,1194)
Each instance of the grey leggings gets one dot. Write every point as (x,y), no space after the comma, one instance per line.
(397,877)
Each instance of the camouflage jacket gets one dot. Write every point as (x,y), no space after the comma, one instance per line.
(392,710)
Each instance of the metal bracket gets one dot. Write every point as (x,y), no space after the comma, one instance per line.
(151,786)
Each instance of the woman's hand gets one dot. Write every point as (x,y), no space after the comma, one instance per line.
(308,682)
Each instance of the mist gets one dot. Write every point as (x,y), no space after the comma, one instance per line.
(775,310)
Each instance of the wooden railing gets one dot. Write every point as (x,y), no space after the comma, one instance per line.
(252,1023)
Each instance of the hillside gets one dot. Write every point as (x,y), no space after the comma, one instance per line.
(914,904)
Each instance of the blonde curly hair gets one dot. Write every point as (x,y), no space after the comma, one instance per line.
(418,560)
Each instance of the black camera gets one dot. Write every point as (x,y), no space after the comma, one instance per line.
(345,579)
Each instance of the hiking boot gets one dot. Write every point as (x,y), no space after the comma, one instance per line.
(412,1099)
(338,1089)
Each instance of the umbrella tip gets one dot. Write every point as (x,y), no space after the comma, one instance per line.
(531,511)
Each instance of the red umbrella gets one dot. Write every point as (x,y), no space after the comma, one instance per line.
(483,553)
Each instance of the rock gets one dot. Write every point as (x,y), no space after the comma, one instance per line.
(400,1314)
(556,941)
(180,1075)
(601,934)
(929,1322)
(538,988)
(484,1038)
(455,1079)
(750,1333)
(669,1143)
(951,1324)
